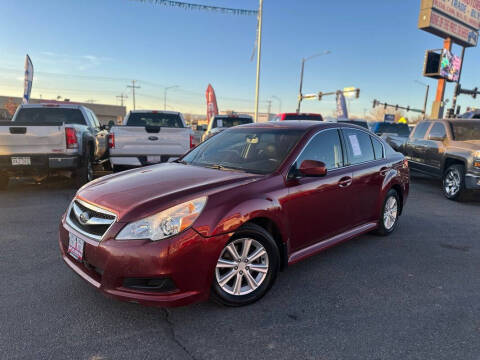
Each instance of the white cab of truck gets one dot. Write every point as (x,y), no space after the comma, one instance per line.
(51,139)
(149,137)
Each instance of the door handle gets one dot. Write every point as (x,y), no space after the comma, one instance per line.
(384,171)
(345,181)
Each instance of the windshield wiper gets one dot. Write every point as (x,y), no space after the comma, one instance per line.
(223,168)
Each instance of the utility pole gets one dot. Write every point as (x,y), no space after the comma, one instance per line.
(426,98)
(122,97)
(259,54)
(133,87)
(269,109)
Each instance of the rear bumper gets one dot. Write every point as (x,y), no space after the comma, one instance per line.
(39,164)
(472,181)
(187,260)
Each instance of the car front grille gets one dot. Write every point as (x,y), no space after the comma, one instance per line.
(90,220)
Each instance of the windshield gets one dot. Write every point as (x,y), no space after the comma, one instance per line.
(155,119)
(50,115)
(387,128)
(254,150)
(227,122)
(468,130)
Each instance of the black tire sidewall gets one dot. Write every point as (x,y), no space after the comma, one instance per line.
(81,175)
(382,230)
(265,239)
(461,171)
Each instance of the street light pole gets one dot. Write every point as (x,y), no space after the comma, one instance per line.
(165,95)
(259,54)
(426,98)
(301,76)
(279,103)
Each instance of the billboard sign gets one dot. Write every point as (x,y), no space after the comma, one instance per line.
(450,66)
(436,23)
(390,118)
(465,11)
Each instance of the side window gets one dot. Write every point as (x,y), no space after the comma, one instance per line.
(325,147)
(359,146)
(421,130)
(377,148)
(95,120)
(438,130)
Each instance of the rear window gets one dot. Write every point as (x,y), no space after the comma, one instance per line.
(387,128)
(304,117)
(155,119)
(465,131)
(50,115)
(228,122)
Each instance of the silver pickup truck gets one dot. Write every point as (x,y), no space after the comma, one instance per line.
(148,137)
(46,139)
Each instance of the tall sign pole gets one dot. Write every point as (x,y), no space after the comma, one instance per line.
(438,106)
(259,55)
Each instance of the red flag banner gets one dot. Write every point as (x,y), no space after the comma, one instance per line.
(212,107)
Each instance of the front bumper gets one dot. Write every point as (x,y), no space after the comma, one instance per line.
(39,164)
(472,181)
(188,260)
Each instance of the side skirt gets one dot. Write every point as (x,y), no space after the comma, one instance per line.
(325,244)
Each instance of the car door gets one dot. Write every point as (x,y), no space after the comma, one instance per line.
(366,158)
(434,148)
(99,134)
(416,146)
(319,207)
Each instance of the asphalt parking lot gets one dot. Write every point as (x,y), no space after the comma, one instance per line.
(414,295)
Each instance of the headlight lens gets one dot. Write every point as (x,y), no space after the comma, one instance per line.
(166,223)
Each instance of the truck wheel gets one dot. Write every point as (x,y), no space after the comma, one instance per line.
(454,183)
(85,173)
(3,181)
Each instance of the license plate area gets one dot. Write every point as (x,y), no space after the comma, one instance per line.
(21,161)
(75,247)
(154,159)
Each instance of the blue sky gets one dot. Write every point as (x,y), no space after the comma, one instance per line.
(91,49)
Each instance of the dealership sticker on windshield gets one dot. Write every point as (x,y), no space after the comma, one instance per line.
(355,145)
(75,247)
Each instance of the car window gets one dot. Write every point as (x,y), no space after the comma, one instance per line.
(421,130)
(325,147)
(312,117)
(359,146)
(226,122)
(438,130)
(377,148)
(168,120)
(93,119)
(50,115)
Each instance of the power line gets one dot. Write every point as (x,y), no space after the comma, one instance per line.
(122,96)
(190,6)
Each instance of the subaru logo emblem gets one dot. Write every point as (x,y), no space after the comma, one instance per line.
(84,217)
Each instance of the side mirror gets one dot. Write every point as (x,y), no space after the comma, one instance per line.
(312,168)
(436,138)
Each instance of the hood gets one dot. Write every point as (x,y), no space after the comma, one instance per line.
(141,192)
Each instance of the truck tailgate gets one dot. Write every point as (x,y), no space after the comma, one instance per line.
(133,140)
(18,139)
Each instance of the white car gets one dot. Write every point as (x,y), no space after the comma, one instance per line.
(149,137)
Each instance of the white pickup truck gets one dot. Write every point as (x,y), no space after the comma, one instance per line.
(148,137)
(46,139)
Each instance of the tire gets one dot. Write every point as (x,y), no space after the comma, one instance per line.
(388,221)
(85,173)
(453,183)
(229,294)
(4,179)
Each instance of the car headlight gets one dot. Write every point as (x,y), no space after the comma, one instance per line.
(166,223)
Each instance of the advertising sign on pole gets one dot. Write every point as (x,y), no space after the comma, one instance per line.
(465,11)
(28,80)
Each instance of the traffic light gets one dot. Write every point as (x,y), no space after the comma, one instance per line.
(357,93)
(320,95)
(475,91)
(375,103)
(396,107)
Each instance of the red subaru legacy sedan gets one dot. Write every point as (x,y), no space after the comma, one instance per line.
(226,217)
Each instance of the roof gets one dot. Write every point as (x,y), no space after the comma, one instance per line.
(53,105)
(155,111)
(300,125)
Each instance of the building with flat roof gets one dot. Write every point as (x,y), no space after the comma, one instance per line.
(105,113)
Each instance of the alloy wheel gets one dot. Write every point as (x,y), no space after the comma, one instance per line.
(452,182)
(390,213)
(242,267)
